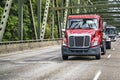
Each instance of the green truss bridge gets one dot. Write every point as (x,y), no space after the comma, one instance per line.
(37,20)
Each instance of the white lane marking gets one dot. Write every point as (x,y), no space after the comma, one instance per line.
(109,56)
(42,62)
(97,75)
(113,49)
(54,58)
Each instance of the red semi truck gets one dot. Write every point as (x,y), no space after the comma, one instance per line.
(83,36)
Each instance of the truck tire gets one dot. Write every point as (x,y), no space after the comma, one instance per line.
(99,55)
(108,46)
(103,48)
(65,57)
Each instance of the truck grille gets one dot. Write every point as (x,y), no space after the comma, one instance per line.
(112,37)
(79,41)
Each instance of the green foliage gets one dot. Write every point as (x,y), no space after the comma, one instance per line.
(47,32)
(56,31)
(11,33)
(11,29)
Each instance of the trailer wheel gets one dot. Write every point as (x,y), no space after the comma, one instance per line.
(108,46)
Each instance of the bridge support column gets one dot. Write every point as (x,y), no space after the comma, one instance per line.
(20,18)
(32,19)
(78,10)
(52,13)
(58,20)
(39,7)
(65,16)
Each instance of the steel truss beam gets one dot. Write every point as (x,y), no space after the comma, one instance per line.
(52,12)
(5,18)
(111,16)
(58,20)
(102,2)
(101,13)
(66,13)
(20,19)
(44,19)
(39,7)
(32,19)
(89,6)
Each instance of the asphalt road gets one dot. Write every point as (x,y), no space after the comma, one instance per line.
(46,64)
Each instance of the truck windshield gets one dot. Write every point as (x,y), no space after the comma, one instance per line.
(110,30)
(82,24)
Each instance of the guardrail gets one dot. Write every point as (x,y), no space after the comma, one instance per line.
(11,46)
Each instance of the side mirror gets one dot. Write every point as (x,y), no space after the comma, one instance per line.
(62,26)
(63,30)
(103,30)
(104,26)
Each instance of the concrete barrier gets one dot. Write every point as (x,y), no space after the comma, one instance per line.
(7,48)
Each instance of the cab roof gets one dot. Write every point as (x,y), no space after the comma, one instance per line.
(83,16)
(111,27)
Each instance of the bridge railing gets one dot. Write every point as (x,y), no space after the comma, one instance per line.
(12,46)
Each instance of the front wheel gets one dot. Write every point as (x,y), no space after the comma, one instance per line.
(99,55)
(65,57)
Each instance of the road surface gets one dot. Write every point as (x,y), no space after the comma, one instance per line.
(46,64)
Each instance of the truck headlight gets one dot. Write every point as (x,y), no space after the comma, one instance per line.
(109,39)
(64,42)
(95,43)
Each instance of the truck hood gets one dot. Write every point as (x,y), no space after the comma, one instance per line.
(81,31)
(111,34)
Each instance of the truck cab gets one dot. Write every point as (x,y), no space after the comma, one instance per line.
(111,32)
(83,37)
